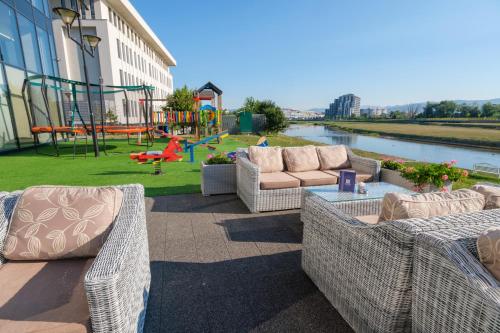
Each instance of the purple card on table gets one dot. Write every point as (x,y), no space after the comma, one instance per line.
(347,181)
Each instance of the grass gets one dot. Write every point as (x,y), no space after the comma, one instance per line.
(25,168)
(481,137)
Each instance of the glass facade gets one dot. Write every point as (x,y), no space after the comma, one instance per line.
(26,48)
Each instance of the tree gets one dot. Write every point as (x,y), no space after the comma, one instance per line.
(275,118)
(181,99)
(490,110)
(412,111)
(111,117)
(468,111)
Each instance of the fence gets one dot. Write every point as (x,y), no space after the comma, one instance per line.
(230,123)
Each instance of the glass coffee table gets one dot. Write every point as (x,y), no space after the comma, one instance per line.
(374,191)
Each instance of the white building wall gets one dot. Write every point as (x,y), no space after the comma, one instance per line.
(117,20)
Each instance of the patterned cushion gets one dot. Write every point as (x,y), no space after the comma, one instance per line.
(50,223)
(298,159)
(397,206)
(333,157)
(488,248)
(269,159)
(491,194)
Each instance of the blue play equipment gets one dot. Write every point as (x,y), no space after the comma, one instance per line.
(190,146)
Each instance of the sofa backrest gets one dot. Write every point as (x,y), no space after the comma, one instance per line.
(269,159)
(299,159)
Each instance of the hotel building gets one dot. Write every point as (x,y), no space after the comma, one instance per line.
(129,54)
(26,48)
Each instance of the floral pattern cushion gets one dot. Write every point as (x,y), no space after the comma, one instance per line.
(491,194)
(488,248)
(396,206)
(333,157)
(267,158)
(299,159)
(50,223)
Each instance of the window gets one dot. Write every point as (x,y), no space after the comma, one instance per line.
(9,38)
(30,47)
(44,43)
(115,21)
(6,127)
(38,5)
(118,47)
(92,9)
(121,78)
(16,80)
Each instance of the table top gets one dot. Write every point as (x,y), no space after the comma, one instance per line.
(374,191)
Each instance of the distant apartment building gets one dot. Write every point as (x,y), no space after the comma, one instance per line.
(374,111)
(129,53)
(345,106)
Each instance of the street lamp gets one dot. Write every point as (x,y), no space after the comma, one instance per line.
(68,16)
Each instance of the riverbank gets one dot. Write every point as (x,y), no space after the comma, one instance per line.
(452,135)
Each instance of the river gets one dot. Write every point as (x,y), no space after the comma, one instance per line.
(427,152)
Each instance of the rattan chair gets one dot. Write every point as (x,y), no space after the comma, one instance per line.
(364,270)
(117,283)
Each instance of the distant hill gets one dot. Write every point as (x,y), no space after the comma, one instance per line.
(317,110)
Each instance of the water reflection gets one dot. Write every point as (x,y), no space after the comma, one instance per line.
(412,150)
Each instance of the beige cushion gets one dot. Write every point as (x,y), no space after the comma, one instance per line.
(360,176)
(488,248)
(368,219)
(269,159)
(277,180)
(298,159)
(491,194)
(314,178)
(41,296)
(50,223)
(397,206)
(333,157)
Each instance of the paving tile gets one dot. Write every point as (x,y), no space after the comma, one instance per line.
(212,249)
(230,314)
(181,249)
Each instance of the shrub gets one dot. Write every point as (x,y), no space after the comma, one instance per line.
(433,173)
(392,164)
(219,159)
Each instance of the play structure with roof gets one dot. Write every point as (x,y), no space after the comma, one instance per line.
(43,119)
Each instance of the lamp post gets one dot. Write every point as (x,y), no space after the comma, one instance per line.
(68,16)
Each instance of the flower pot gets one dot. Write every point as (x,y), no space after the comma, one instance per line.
(432,188)
(218,178)
(394,177)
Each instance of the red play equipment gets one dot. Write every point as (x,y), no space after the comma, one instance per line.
(168,154)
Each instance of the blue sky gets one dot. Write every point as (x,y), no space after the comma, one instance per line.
(304,53)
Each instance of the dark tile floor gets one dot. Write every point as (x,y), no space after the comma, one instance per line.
(217,268)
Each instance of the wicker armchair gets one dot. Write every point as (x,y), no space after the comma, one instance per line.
(452,291)
(257,200)
(364,270)
(117,283)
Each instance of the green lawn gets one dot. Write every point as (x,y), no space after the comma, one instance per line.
(23,169)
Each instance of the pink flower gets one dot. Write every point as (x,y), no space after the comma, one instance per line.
(444,177)
(453,161)
(210,156)
(444,189)
(400,161)
(465,173)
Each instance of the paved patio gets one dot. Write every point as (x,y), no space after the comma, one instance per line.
(217,268)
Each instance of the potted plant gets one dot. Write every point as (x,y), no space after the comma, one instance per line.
(391,173)
(429,177)
(218,174)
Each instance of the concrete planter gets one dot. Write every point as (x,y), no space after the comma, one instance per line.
(218,179)
(394,177)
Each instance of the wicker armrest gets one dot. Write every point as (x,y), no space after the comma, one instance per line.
(247,175)
(365,164)
(452,290)
(7,203)
(117,283)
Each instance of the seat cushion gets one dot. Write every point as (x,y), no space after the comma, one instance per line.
(269,159)
(488,249)
(491,194)
(333,157)
(298,159)
(44,296)
(314,178)
(368,219)
(277,180)
(50,223)
(397,206)
(360,176)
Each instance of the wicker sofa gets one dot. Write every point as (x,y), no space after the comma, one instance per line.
(116,283)
(248,179)
(365,270)
(452,290)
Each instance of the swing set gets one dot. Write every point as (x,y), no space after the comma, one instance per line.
(77,125)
